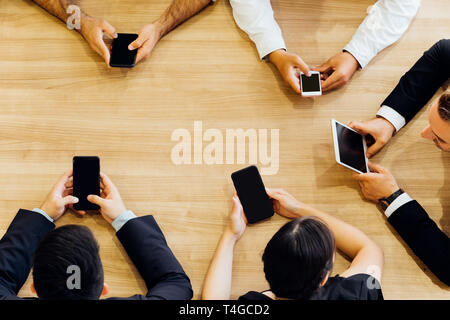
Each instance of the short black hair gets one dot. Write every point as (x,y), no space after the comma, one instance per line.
(444,106)
(70,245)
(298,258)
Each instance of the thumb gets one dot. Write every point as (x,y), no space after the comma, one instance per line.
(323,68)
(270,193)
(376,167)
(374,148)
(236,203)
(359,126)
(95,199)
(302,66)
(109,29)
(137,43)
(70,200)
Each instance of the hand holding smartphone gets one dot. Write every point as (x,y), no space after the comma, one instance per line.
(252,194)
(311,86)
(86,181)
(121,56)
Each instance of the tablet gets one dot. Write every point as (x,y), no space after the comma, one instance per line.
(349,147)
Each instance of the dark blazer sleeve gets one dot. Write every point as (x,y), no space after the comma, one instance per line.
(147,248)
(424,237)
(421,82)
(17,248)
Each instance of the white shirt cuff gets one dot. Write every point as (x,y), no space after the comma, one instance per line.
(397,203)
(268,43)
(395,118)
(120,221)
(43,213)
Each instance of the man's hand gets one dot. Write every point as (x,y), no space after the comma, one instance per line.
(337,71)
(377,184)
(60,197)
(288,63)
(110,202)
(378,129)
(148,38)
(237,220)
(284,204)
(92,29)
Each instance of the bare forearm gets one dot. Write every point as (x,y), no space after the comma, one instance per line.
(217,285)
(349,239)
(178,12)
(58,8)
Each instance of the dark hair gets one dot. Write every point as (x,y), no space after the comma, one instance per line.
(444,106)
(70,245)
(298,258)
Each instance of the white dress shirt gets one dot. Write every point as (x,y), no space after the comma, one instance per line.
(255,17)
(385,23)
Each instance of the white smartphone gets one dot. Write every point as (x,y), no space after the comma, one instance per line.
(311,86)
(349,147)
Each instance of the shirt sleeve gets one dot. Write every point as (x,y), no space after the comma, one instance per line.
(42,212)
(395,118)
(119,222)
(397,203)
(385,23)
(255,17)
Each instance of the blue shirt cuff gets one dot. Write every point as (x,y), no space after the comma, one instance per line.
(120,221)
(44,214)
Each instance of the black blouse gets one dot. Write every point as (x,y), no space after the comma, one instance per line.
(357,287)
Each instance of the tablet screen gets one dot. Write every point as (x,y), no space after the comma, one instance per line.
(351,148)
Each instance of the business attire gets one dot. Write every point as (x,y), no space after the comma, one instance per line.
(140,236)
(407,216)
(385,23)
(357,287)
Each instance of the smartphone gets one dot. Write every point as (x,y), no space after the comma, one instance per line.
(121,56)
(311,86)
(252,194)
(349,147)
(86,181)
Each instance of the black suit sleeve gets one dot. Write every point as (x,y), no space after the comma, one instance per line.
(424,237)
(147,248)
(421,82)
(17,248)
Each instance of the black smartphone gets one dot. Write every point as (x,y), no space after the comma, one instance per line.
(86,181)
(252,193)
(121,56)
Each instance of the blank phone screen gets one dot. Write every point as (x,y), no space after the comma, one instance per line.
(311,83)
(86,181)
(121,56)
(351,148)
(252,194)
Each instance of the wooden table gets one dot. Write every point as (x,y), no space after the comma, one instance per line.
(58,100)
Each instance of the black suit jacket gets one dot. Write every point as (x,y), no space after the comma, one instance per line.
(421,82)
(141,237)
(424,237)
(411,221)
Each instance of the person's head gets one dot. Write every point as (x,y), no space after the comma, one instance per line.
(299,258)
(67,265)
(438,130)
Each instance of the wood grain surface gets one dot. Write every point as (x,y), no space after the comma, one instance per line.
(58,99)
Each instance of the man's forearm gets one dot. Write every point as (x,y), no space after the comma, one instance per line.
(58,8)
(178,12)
